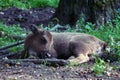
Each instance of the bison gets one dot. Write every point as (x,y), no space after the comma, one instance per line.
(44,44)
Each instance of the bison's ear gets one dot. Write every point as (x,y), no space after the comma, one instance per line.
(34,29)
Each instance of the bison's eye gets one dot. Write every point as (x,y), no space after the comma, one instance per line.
(43,40)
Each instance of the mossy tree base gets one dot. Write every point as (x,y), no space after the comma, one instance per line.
(98,12)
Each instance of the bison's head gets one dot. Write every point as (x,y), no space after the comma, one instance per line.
(39,43)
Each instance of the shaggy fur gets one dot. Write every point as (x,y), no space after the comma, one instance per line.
(45,44)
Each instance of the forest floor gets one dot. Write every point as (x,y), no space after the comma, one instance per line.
(31,71)
(36,16)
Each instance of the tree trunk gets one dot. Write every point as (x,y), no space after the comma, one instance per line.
(98,12)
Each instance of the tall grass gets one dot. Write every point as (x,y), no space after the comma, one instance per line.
(25,4)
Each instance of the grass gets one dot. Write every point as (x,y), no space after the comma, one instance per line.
(11,3)
(100,66)
(42,3)
(26,4)
(14,30)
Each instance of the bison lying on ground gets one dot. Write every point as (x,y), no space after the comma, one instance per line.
(45,44)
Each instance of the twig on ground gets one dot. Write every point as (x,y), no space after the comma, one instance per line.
(11,55)
(12,45)
(51,62)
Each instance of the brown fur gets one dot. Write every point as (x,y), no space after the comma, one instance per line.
(64,45)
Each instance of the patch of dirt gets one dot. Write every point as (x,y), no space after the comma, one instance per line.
(30,71)
(36,16)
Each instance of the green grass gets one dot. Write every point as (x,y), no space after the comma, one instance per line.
(26,4)
(100,66)
(11,3)
(42,3)
(14,30)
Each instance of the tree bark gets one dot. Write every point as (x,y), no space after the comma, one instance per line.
(98,12)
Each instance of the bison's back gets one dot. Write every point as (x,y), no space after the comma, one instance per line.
(62,43)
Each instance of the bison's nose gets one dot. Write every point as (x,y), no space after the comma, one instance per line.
(48,55)
(44,54)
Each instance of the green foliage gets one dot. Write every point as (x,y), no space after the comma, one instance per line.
(99,66)
(53,3)
(10,3)
(38,3)
(25,4)
(14,30)
(42,3)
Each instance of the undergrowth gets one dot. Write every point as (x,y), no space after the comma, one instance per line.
(100,66)
(26,4)
(8,32)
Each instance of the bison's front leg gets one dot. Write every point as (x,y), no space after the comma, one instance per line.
(78,60)
(80,51)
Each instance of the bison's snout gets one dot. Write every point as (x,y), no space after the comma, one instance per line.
(44,54)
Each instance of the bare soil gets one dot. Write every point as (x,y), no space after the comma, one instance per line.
(36,16)
(31,71)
